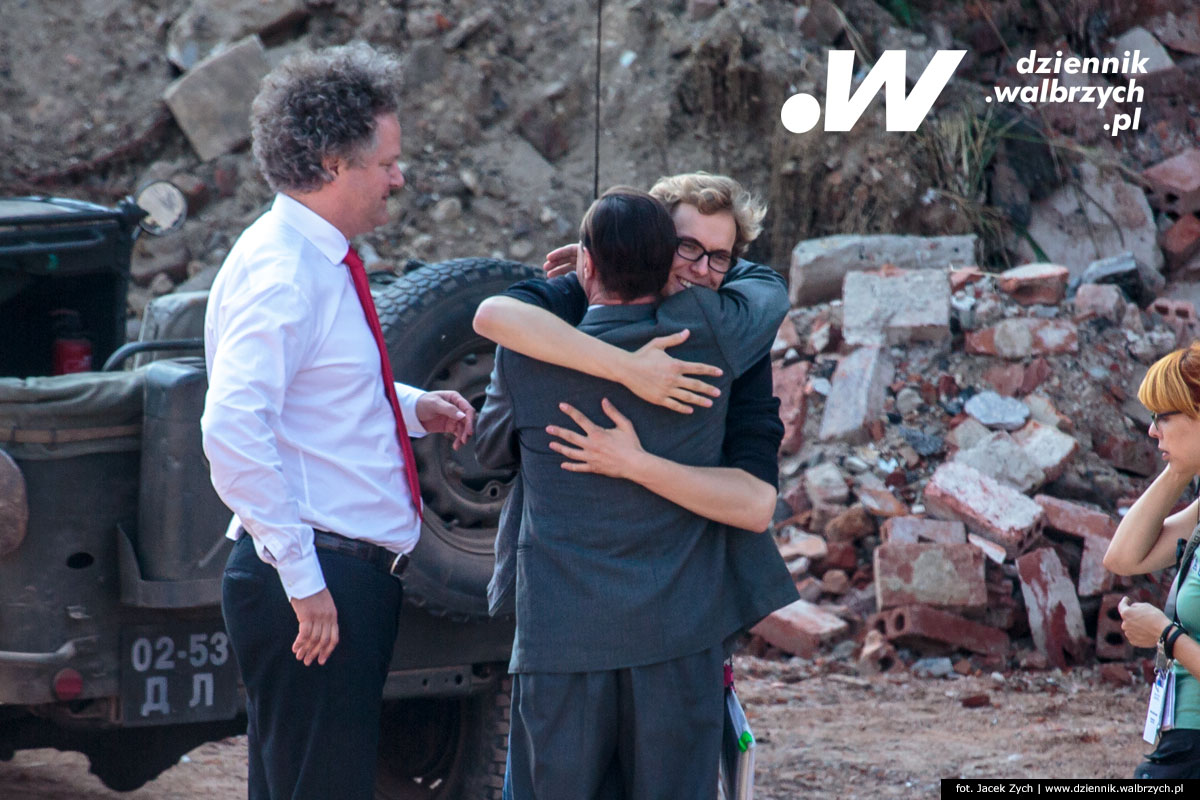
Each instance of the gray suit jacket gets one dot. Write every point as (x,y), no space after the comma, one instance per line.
(610,575)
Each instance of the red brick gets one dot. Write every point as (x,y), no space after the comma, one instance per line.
(796,496)
(857,395)
(1094,579)
(1111,644)
(1075,519)
(964,275)
(1136,454)
(851,525)
(786,338)
(903,530)
(949,575)
(989,508)
(877,498)
(801,628)
(1116,674)
(840,555)
(1181,241)
(835,581)
(1006,379)
(790,383)
(877,654)
(1022,337)
(1099,300)
(1179,314)
(1035,375)
(1035,283)
(914,624)
(1055,619)
(992,551)
(1175,183)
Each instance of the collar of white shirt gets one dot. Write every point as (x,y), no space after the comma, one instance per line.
(312,226)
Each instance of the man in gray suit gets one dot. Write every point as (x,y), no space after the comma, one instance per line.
(623,602)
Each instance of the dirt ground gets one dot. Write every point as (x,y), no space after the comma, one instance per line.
(822,732)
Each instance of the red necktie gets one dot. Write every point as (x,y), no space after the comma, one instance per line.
(359,275)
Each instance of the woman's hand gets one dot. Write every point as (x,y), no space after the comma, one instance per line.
(561,261)
(1142,623)
(615,452)
(658,378)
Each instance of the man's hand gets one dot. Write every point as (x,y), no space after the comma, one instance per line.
(318,634)
(1142,623)
(561,261)
(615,452)
(658,378)
(445,411)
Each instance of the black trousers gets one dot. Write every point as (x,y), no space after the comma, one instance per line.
(1177,756)
(313,731)
(641,733)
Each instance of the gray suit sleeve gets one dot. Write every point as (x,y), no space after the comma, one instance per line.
(495,431)
(746,313)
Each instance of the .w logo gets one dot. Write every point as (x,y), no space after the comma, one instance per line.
(801,112)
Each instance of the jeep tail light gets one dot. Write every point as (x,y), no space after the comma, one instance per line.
(68,684)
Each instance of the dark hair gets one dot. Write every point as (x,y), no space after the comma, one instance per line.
(317,105)
(631,239)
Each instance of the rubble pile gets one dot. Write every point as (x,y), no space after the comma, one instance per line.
(958,448)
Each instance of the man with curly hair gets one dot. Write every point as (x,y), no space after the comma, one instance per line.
(307,434)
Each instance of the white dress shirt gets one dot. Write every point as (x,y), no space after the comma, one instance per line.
(296,425)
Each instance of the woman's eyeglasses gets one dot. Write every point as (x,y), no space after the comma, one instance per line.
(1155,417)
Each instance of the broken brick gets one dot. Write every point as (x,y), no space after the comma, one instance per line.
(877,498)
(1137,455)
(994,552)
(1180,315)
(790,383)
(1181,241)
(1035,283)
(1006,379)
(914,624)
(851,525)
(897,308)
(1094,579)
(1101,300)
(1047,447)
(963,276)
(800,628)
(1055,619)
(1075,519)
(840,555)
(987,507)
(902,530)
(802,544)
(877,654)
(1035,375)
(1175,183)
(856,395)
(929,574)
(825,484)
(1022,337)
(786,338)
(835,581)
(1111,644)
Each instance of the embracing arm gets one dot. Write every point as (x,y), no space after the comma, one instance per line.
(724,494)
(647,372)
(1145,539)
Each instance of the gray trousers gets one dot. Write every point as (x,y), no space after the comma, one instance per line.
(639,733)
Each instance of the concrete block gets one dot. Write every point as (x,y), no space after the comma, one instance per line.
(1047,447)
(989,508)
(801,628)
(1094,579)
(825,484)
(1111,644)
(856,396)
(1035,283)
(999,456)
(1075,519)
(1055,619)
(1023,337)
(1104,301)
(915,624)
(949,575)
(790,383)
(819,266)
(1175,183)
(910,530)
(211,102)
(896,308)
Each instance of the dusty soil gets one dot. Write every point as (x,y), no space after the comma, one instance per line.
(822,732)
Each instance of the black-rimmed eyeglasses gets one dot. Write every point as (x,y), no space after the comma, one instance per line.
(1155,417)
(690,249)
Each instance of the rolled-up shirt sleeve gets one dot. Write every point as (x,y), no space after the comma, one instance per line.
(408,397)
(264,336)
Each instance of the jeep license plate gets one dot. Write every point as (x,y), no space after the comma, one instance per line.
(177,673)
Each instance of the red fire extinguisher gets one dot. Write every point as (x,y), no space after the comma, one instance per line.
(72,348)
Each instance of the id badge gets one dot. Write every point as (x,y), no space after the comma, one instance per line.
(1154,714)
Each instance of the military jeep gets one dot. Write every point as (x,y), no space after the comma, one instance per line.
(111,536)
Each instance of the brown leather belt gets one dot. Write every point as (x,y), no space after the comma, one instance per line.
(379,557)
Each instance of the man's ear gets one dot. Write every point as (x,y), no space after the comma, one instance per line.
(332,166)
(585,267)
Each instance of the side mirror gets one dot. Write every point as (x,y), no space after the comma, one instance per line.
(165,207)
